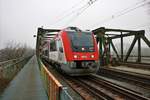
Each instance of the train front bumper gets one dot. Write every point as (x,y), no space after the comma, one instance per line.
(72,68)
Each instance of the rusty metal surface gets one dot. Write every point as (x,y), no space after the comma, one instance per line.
(67,93)
(52,86)
(27,85)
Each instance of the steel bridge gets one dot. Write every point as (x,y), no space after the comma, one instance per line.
(35,82)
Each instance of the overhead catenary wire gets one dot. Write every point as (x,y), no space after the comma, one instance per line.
(77,12)
(67,13)
(123,12)
(131,9)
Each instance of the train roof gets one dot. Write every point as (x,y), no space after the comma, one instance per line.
(75,29)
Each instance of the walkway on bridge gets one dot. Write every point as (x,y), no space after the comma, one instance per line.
(27,85)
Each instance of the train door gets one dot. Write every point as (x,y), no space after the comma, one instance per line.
(53,54)
(61,56)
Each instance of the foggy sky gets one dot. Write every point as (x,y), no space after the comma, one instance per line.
(19,19)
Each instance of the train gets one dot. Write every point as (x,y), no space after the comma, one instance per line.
(72,50)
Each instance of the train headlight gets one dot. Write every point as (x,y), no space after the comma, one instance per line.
(75,56)
(92,56)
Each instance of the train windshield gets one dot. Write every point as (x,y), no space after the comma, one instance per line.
(81,41)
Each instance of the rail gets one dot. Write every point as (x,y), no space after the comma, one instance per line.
(53,87)
(127,93)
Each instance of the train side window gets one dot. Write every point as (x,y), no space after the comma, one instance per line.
(53,46)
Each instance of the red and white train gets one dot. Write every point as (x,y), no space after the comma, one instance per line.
(73,51)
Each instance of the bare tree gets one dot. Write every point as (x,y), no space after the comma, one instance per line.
(15,50)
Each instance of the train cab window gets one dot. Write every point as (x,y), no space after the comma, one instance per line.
(81,40)
(53,46)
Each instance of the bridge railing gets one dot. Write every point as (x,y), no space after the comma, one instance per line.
(8,69)
(134,59)
(53,87)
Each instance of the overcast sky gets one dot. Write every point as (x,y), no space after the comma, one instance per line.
(19,19)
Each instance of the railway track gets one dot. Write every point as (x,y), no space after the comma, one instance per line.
(135,65)
(119,91)
(93,87)
(85,95)
(104,90)
(140,79)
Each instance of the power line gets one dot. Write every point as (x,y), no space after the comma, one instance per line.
(130,7)
(77,12)
(131,10)
(124,11)
(67,12)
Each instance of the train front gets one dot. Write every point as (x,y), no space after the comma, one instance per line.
(82,57)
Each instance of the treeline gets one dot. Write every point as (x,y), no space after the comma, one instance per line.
(15,50)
